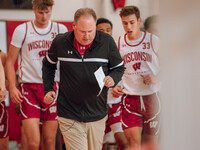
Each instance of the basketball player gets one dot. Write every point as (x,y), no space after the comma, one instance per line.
(140,82)
(32,40)
(104,25)
(113,122)
(4,138)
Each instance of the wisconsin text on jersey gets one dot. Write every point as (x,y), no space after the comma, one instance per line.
(137,56)
(39,44)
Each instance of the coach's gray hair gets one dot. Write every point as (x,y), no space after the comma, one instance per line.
(84,12)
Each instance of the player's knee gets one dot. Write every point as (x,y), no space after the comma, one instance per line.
(4,146)
(48,141)
(33,146)
(122,145)
(121,141)
(134,138)
(134,142)
(150,139)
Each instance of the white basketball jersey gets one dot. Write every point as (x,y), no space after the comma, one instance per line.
(139,58)
(33,50)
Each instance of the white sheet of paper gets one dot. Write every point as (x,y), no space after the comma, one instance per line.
(99,74)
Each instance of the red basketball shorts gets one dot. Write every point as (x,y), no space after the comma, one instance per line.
(33,105)
(141,111)
(114,116)
(3,121)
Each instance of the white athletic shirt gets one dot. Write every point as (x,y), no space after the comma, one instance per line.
(140,58)
(34,43)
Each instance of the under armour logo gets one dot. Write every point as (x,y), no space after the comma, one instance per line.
(1,128)
(82,47)
(153,124)
(25,93)
(123,45)
(69,52)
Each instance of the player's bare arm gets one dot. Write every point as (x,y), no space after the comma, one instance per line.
(3,91)
(3,94)
(3,60)
(15,94)
(117,91)
(109,82)
(49,97)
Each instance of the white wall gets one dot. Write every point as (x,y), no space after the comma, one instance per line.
(3,35)
(180,75)
(64,10)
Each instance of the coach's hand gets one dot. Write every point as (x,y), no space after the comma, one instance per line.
(49,97)
(109,82)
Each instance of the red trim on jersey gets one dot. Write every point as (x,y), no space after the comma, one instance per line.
(136,44)
(45,33)
(152,45)
(119,43)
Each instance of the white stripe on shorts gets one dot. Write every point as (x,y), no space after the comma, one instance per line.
(157,112)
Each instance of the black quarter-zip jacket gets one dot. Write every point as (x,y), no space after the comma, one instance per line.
(78,90)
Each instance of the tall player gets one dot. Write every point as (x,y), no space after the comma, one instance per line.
(113,122)
(4,138)
(140,82)
(30,41)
